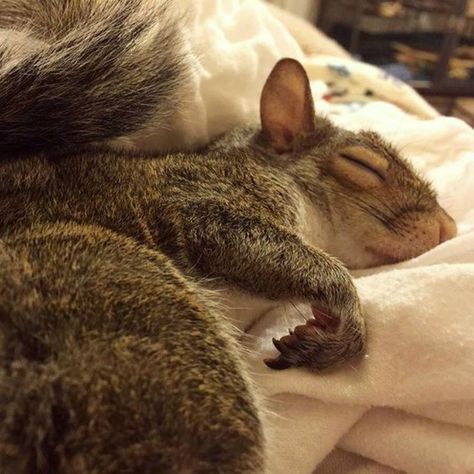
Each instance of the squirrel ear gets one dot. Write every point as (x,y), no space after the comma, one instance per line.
(286,105)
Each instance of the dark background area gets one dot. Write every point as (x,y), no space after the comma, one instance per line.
(427,43)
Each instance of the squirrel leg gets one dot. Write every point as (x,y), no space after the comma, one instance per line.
(265,259)
(112,361)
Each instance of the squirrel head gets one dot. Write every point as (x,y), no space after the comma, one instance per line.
(372,206)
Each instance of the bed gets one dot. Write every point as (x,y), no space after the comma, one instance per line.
(408,405)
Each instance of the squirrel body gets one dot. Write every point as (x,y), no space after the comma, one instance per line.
(117,354)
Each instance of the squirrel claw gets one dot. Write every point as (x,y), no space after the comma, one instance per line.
(278,363)
(280,346)
(301,347)
(290,340)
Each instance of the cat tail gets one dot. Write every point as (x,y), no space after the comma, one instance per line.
(75,73)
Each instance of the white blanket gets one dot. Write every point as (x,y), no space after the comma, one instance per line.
(409,404)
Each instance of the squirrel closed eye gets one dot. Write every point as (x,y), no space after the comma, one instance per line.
(361,166)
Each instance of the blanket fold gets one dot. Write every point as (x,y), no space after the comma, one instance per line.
(411,443)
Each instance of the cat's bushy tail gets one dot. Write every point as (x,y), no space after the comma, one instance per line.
(81,72)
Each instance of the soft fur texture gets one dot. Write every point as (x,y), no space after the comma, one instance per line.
(107,370)
(115,356)
(77,72)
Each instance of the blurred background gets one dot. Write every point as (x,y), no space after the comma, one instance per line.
(427,43)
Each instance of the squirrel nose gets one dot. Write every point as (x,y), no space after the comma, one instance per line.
(447,227)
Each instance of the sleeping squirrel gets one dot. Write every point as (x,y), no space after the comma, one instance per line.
(118,354)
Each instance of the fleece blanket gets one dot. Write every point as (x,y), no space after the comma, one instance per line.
(408,405)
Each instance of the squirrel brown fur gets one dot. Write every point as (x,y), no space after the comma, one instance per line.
(116,354)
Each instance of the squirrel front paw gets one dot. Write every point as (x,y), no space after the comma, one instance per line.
(323,342)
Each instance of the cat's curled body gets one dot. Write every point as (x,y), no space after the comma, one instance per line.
(115,354)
